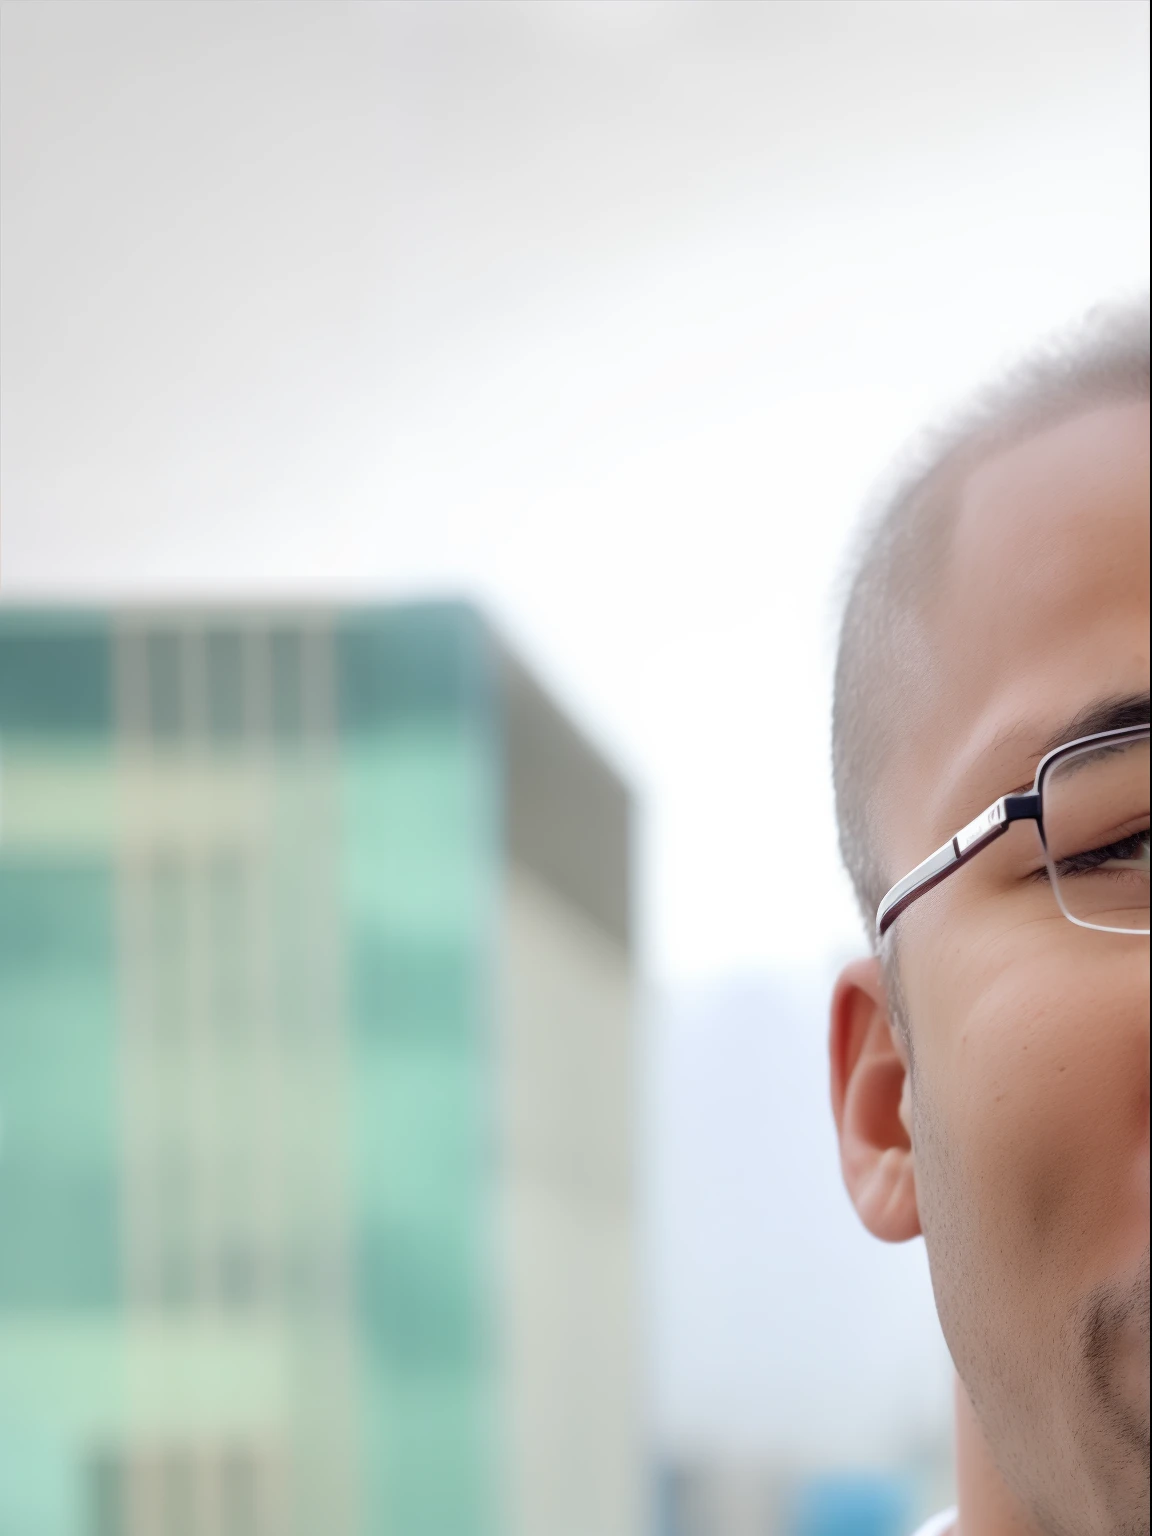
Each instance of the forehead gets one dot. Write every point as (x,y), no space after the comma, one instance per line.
(1065,509)
(1042,606)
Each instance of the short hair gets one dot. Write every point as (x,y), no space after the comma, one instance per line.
(904,538)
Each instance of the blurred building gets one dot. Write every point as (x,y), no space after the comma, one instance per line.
(316,1209)
(710,1495)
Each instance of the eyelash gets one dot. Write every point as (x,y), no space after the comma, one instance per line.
(1084,863)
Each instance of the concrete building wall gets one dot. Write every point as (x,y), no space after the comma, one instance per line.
(569,1305)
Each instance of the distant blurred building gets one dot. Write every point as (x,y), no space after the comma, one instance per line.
(710,1497)
(853,1504)
(316,1099)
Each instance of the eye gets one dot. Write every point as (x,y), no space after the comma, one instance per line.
(1129,853)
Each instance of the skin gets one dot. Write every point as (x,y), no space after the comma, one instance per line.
(1006,1117)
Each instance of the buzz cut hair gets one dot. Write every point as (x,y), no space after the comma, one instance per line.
(903,543)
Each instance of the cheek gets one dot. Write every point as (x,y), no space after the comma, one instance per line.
(1037,1072)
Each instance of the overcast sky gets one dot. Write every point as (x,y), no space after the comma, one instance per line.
(607,315)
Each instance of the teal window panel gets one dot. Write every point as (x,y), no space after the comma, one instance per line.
(412,993)
(431,1459)
(420,833)
(421,1136)
(424,1313)
(408,663)
(40,1492)
(58,1194)
(420,866)
(55,674)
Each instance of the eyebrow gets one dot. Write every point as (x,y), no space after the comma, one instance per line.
(1111,714)
(1116,712)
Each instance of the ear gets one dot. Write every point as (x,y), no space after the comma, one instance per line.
(870,1100)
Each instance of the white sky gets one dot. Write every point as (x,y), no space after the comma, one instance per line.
(779,1328)
(607,315)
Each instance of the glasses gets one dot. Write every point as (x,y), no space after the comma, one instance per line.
(1090,805)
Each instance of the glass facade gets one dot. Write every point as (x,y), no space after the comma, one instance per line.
(254,941)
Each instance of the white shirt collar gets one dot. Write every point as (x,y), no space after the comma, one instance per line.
(939,1525)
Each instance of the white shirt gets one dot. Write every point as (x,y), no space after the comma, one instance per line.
(939,1525)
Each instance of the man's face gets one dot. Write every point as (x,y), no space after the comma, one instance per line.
(1029,1082)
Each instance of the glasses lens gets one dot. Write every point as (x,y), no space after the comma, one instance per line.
(1096,830)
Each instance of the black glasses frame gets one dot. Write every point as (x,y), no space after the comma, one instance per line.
(988,826)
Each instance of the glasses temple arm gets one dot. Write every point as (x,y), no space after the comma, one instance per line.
(968,842)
